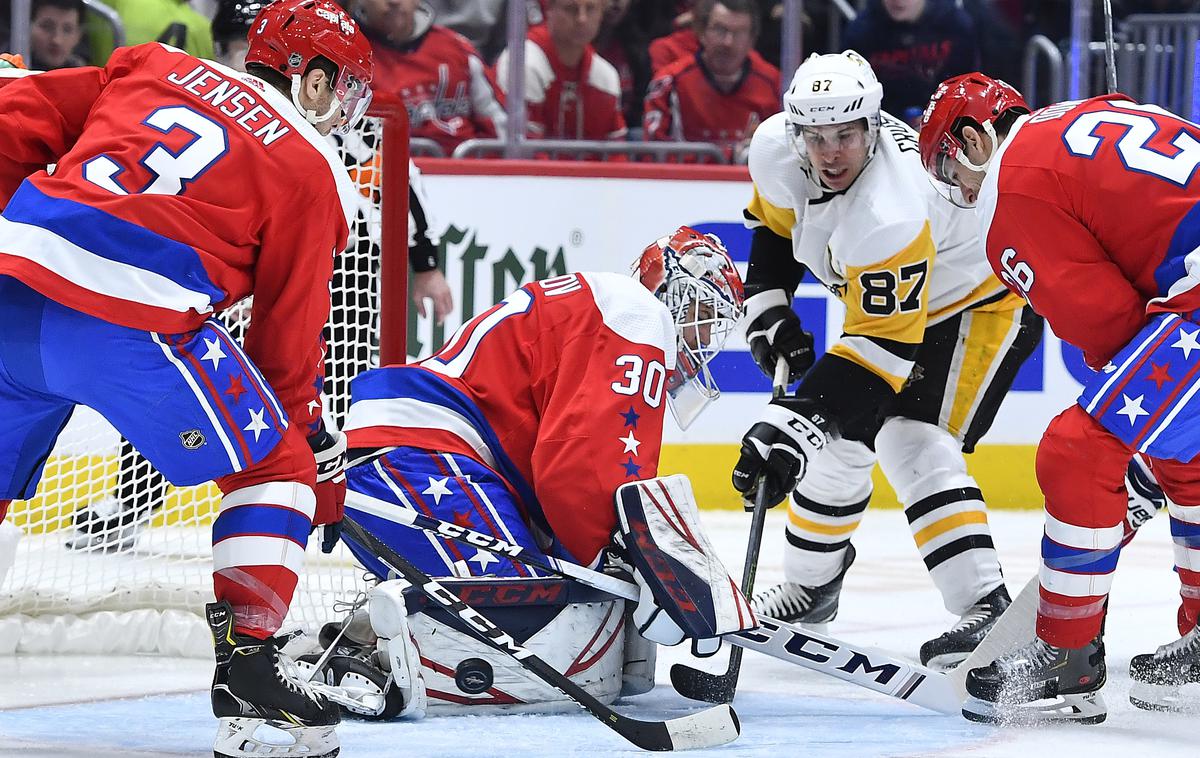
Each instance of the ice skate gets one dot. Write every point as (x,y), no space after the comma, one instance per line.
(947,651)
(813,607)
(351,662)
(1159,677)
(1039,683)
(264,704)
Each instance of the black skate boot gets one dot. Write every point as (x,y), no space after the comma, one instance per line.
(949,650)
(1037,683)
(264,704)
(1158,677)
(355,664)
(813,607)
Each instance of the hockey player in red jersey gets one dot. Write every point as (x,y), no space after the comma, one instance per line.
(1051,190)
(181,188)
(527,424)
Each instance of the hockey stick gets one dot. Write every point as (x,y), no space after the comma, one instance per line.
(720,688)
(708,728)
(865,667)
(1110,56)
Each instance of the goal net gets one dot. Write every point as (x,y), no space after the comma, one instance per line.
(108,558)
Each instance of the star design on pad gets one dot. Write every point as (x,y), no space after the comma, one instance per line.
(437,489)
(235,389)
(630,442)
(215,353)
(463,519)
(256,425)
(484,558)
(1158,374)
(631,417)
(1109,367)
(631,468)
(1133,408)
(1187,343)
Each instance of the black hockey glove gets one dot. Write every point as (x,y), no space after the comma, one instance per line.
(778,449)
(775,332)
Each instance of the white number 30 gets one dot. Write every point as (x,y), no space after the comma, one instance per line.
(641,376)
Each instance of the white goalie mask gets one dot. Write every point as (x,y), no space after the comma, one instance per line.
(838,88)
(693,275)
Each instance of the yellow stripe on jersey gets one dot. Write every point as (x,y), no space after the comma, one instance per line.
(890,299)
(984,343)
(853,352)
(941,526)
(778,220)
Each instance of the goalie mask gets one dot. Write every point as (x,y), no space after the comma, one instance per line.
(287,35)
(693,275)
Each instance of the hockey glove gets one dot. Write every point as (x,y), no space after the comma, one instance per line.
(330,451)
(779,448)
(774,331)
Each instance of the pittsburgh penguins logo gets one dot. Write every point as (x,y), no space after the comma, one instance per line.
(192,439)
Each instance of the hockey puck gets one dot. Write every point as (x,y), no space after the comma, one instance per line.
(473,676)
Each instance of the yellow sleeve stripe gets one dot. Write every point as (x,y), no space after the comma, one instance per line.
(890,298)
(851,353)
(942,526)
(833,530)
(778,220)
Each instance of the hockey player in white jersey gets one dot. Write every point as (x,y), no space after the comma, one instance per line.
(930,344)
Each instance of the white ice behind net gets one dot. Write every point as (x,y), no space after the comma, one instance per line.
(143,575)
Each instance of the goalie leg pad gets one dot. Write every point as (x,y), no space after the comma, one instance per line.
(398,648)
(686,591)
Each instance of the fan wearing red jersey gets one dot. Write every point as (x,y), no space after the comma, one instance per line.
(1050,191)
(719,94)
(181,188)
(536,412)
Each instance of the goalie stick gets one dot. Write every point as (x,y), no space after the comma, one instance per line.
(866,667)
(708,728)
(720,688)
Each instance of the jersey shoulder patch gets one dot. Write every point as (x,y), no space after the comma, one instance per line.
(632,312)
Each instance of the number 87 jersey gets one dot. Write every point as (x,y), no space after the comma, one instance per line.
(560,388)
(1090,211)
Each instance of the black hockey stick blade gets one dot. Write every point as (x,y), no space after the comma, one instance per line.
(708,728)
(720,688)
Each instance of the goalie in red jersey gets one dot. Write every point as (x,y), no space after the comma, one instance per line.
(540,423)
(1051,189)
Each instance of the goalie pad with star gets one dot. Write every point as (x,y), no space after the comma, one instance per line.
(686,591)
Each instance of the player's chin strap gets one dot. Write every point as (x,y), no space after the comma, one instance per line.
(310,115)
(961,155)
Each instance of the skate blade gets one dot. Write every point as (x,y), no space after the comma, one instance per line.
(946,661)
(1075,709)
(1166,697)
(259,738)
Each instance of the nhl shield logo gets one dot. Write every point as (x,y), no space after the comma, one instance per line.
(192,439)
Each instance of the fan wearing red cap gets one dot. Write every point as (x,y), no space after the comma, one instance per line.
(1052,191)
(181,188)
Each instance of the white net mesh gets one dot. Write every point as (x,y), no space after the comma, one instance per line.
(110,558)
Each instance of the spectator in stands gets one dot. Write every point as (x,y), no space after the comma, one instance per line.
(719,94)
(913,45)
(230,26)
(448,91)
(623,42)
(171,21)
(570,91)
(55,30)
(683,41)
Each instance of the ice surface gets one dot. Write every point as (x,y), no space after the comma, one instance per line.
(81,706)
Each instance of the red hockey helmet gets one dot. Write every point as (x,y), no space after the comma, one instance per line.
(286,35)
(973,99)
(692,274)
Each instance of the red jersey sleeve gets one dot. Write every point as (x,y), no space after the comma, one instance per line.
(1044,254)
(657,119)
(291,303)
(602,427)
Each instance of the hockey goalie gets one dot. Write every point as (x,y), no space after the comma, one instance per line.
(540,423)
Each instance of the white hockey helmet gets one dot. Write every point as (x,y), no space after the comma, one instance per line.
(836,88)
(692,274)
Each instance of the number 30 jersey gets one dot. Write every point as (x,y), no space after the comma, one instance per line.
(560,388)
(181,187)
(894,251)
(1090,210)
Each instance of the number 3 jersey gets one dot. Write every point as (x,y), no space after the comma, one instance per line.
(893,250)
(559,388)
(181,187)
(1090,211)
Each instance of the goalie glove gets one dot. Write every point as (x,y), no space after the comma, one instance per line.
(773,331)
(329,449)
(684,590)
(779,448)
